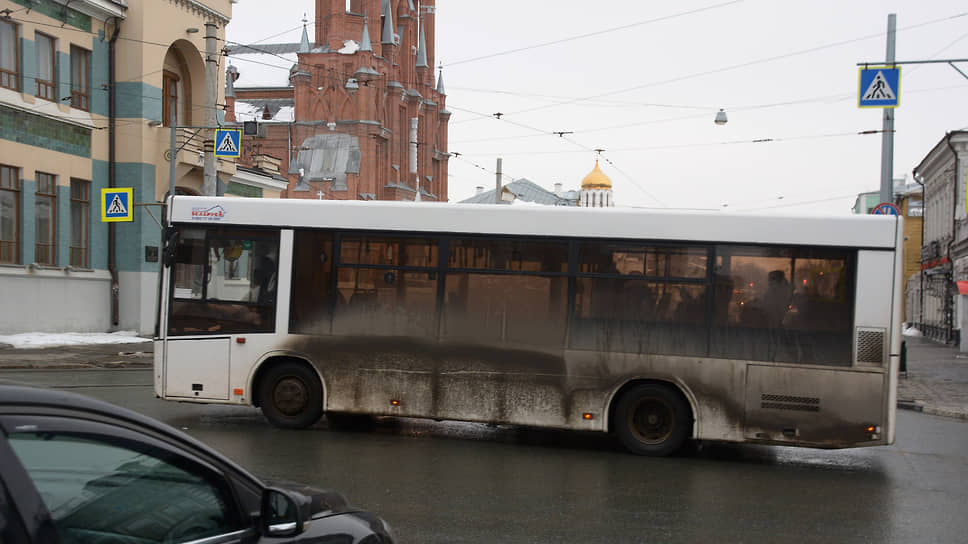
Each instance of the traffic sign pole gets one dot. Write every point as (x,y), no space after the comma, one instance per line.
(887,134)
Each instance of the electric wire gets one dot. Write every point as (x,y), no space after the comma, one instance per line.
(596,33)
(737,66)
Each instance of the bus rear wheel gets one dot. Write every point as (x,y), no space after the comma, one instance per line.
(292,397)
(652,419)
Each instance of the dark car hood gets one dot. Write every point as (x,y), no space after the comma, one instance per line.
(324,502)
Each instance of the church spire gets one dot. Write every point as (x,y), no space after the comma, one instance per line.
(388,32)
(365,44)
(422,51)
(304,42)
(440,80)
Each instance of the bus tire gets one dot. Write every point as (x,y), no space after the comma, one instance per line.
(292,397)
(652,419)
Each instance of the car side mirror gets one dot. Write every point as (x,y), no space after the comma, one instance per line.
(284,513)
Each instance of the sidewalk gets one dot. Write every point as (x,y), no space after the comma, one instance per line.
(136,355)
(936,381)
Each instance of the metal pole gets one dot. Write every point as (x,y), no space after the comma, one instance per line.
(210,182)
(497,191)
(887,137)
(171,159)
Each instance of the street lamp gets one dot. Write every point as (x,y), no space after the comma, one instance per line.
(720,117)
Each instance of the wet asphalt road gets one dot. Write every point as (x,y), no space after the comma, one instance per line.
(452,482)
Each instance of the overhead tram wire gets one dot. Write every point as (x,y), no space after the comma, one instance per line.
(584,148)
(827,98)
(795,204)
(703,144)
(590,34)
(737,66)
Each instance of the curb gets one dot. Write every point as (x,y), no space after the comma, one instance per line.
(920,406)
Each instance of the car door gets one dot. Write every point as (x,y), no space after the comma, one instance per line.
(103,483)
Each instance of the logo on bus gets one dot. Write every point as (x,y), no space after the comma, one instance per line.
(215,213)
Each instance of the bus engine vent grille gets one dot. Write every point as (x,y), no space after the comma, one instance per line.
(787,402)
(870,346)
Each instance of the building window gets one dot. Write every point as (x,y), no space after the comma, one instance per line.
(80,222)
(170,97)
(9,56)
(46,66)
(80,78)
(45,250)
(9,215)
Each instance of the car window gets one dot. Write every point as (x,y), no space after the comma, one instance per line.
(98,489)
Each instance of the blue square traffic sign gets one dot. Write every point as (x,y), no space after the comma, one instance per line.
(228,142)
(117,205)
(879,87)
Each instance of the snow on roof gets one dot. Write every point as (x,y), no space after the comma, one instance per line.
(252,111)
(263,70)
(349,47)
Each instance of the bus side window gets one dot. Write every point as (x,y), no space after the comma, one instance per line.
(224,281)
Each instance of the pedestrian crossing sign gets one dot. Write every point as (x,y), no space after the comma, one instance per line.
(879,87)
(228,142)
(117,205)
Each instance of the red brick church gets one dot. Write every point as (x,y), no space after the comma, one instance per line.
(356,115)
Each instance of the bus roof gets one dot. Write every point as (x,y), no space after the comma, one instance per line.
(872,231)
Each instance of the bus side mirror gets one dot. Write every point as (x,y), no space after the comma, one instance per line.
(171,237)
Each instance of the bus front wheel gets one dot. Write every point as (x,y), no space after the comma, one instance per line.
(292,397)
(652,419)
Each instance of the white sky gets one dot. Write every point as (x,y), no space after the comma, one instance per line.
(658,86)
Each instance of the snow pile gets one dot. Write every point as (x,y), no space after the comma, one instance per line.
(910,330)
(349,47)
(44,339)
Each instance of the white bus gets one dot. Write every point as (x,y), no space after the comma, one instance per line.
(657,326)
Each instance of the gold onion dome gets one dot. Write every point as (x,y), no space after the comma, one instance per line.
(596,179)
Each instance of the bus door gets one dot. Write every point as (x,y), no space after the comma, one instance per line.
(222,284)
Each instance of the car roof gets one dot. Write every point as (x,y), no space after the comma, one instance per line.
(14,396)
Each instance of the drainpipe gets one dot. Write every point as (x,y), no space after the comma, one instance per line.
(112,159)
(924,208)
(954,230)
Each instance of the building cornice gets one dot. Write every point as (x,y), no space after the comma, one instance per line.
(12,99)
(99,9)
(197,7)
(262,181)
(939,156)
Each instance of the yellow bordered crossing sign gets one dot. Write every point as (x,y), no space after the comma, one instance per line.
(228,142)
(117,205)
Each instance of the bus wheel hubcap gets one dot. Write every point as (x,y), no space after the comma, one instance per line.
(652,421)
(290,396)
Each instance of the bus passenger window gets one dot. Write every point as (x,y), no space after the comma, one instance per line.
(224,281)
(641,299)
(783,304)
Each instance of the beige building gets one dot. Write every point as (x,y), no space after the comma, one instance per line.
(84,85)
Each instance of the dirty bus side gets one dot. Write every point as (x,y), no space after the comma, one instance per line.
(658,341)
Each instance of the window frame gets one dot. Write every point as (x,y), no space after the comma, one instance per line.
(14,245)
(48,246)
(45,88)
(11,79)
(80,255)
(80,64)
(169,93)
